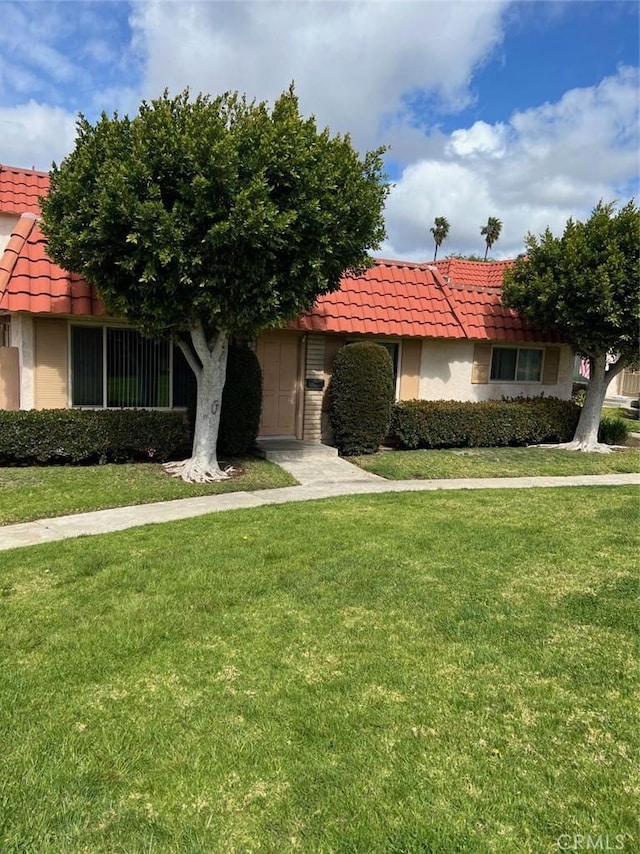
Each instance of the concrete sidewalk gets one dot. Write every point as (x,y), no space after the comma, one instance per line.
(318,478)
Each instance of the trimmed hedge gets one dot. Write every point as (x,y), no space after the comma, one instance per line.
(361,397)
(241,403)
(613,431)
(77,436)
(453,424)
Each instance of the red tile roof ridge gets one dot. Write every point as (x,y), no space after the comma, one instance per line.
(4,167)
(483,289)
(396,262)
(19,236)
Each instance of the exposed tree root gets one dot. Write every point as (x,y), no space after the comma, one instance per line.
(193,471)
(583,445)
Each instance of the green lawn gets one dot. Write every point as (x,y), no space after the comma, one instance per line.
(495,462)
(433,672)
(40,492)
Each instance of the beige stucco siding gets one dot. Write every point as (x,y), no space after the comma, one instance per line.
(446,370)
(51,364)
(410,358)
(313,397)
(9,378)
(7,224)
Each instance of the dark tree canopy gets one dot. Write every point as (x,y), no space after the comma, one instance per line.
(215,209)
(584,284)
(212,217)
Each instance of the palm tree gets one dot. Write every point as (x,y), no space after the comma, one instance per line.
(491,232)
(440,231)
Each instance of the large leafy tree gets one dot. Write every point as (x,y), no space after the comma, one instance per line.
(440,232)
(208,218)
(491,233)
(585,285)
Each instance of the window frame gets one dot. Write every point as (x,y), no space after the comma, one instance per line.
(515,380)
(104,327)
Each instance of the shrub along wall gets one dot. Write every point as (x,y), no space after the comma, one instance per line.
(360,397)
(63,436)
(452,424)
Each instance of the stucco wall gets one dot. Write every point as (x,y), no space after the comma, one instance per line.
(445,374)
(22,338)
(7,223)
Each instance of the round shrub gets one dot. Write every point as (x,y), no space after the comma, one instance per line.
(613,431)
(361,397)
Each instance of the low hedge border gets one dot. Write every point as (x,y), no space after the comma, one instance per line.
(81,436)
(495,423)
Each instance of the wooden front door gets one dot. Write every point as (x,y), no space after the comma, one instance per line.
(278,354)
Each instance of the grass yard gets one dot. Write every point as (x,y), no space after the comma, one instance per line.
(40,492)
(495,462)
(428,672)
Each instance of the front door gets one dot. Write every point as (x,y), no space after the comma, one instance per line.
(278,354)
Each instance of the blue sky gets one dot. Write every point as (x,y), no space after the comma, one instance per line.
(527,111)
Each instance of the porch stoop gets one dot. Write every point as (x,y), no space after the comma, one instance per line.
(279,450)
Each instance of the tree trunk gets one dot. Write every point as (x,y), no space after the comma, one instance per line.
(586,435)
(210,368)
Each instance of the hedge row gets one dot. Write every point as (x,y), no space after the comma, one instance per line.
(63,436)
(451,424)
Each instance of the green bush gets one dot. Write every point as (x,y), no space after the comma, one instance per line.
(241,403)
(453,424)
(64,436)
(613,431)
(361,397)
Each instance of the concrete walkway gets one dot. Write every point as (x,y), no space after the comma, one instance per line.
(319,476)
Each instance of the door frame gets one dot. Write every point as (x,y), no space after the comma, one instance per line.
(301,349)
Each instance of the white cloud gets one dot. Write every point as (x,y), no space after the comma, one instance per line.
(480,140)
(555,161)
(35,134)
(353,62)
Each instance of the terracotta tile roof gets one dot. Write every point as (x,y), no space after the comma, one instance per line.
(473,289)
(449,299)
(483,317)
(31,281)
(20,189)
(394,298)
(487,274)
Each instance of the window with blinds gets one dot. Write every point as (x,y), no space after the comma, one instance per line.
(118,368)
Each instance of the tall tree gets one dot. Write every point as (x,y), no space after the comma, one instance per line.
(206,218)
(440,232)
(585,285)
(491,232)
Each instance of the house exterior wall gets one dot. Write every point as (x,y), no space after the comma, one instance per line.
(410,359)
(51,363)
(7,224)
(21,336)
(313,397)
(446,369)
(9,378)
(625,384)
